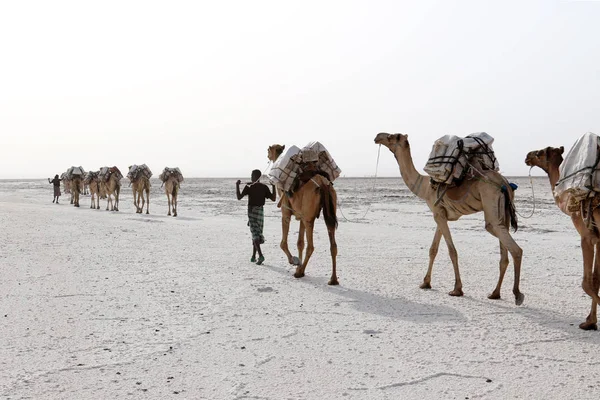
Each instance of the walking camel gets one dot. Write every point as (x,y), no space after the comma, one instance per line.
(91,181)
(140,184)
(110,185)
(306,204)
(171,179)
(490,193)
(76,182)
(549,160)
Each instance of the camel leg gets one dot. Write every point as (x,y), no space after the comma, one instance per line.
(591,322)
(147,201)
(442,224)
(333,250)
(517,254)
(175,205)
(590,282)
(169,203)
(503,266)
(432,254)
(116,201)
(309,249)
(301,234)
(286,217)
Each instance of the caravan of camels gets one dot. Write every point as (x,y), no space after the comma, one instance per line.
(462,178)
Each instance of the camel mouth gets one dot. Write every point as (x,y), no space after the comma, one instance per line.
(381,138)
(529,161)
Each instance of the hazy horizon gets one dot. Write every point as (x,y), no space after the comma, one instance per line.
(208,86)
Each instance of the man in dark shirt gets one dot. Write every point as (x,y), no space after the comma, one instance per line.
(56,182)
(257,193)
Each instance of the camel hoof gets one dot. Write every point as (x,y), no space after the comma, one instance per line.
(298,274)
(494,296)
(175,214)
(425,285)
(519,299)
(456,292)
(147,212)
(588,326)
(333,282)
(169,214)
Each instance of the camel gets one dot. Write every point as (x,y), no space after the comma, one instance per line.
(66,183)
(94,189)
(489,192)
(111,186)
(75,189)
(172,191)
(306,204)
(140,185)
(549,160)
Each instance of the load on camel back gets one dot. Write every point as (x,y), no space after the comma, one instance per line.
(579,175)
(292,169)
(453,158)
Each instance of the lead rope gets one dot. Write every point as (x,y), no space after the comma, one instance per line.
(533,197)
(372,193)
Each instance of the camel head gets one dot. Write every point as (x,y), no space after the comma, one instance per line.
(545,158)
(392,141)
(274,151)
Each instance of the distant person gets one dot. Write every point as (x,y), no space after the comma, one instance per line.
(56,182)
(257,193)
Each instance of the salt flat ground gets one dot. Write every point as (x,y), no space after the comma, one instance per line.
(106,305)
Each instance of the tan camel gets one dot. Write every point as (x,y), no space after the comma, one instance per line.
(549,159)
(93,184)
(306,205)
(75,189)
(111,187)
(140,185)
(489,192)
(172,191)
(67,183)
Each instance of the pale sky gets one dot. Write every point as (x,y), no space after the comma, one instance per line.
(208,85)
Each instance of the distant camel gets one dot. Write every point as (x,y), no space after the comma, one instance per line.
(140,183)
(171,178)
(549,159)
(91,181)
(306,204)
(490,193)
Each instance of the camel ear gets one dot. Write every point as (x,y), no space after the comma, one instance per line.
(397,136)
(283,147)
(562,149)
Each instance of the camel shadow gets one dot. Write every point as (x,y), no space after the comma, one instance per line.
(371,303)
(547,318)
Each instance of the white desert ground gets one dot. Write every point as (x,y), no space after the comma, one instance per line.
(117,305)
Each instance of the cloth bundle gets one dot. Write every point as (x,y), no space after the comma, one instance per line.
(579,170)
(106,172)
(91,175)
(136,171)
(168,172)
(286,169)
(73,172)
(450,156)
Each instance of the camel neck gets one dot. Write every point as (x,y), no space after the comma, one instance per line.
(418,184)
(553,175)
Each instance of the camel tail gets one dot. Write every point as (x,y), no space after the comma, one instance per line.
(509,208)
(328,205)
